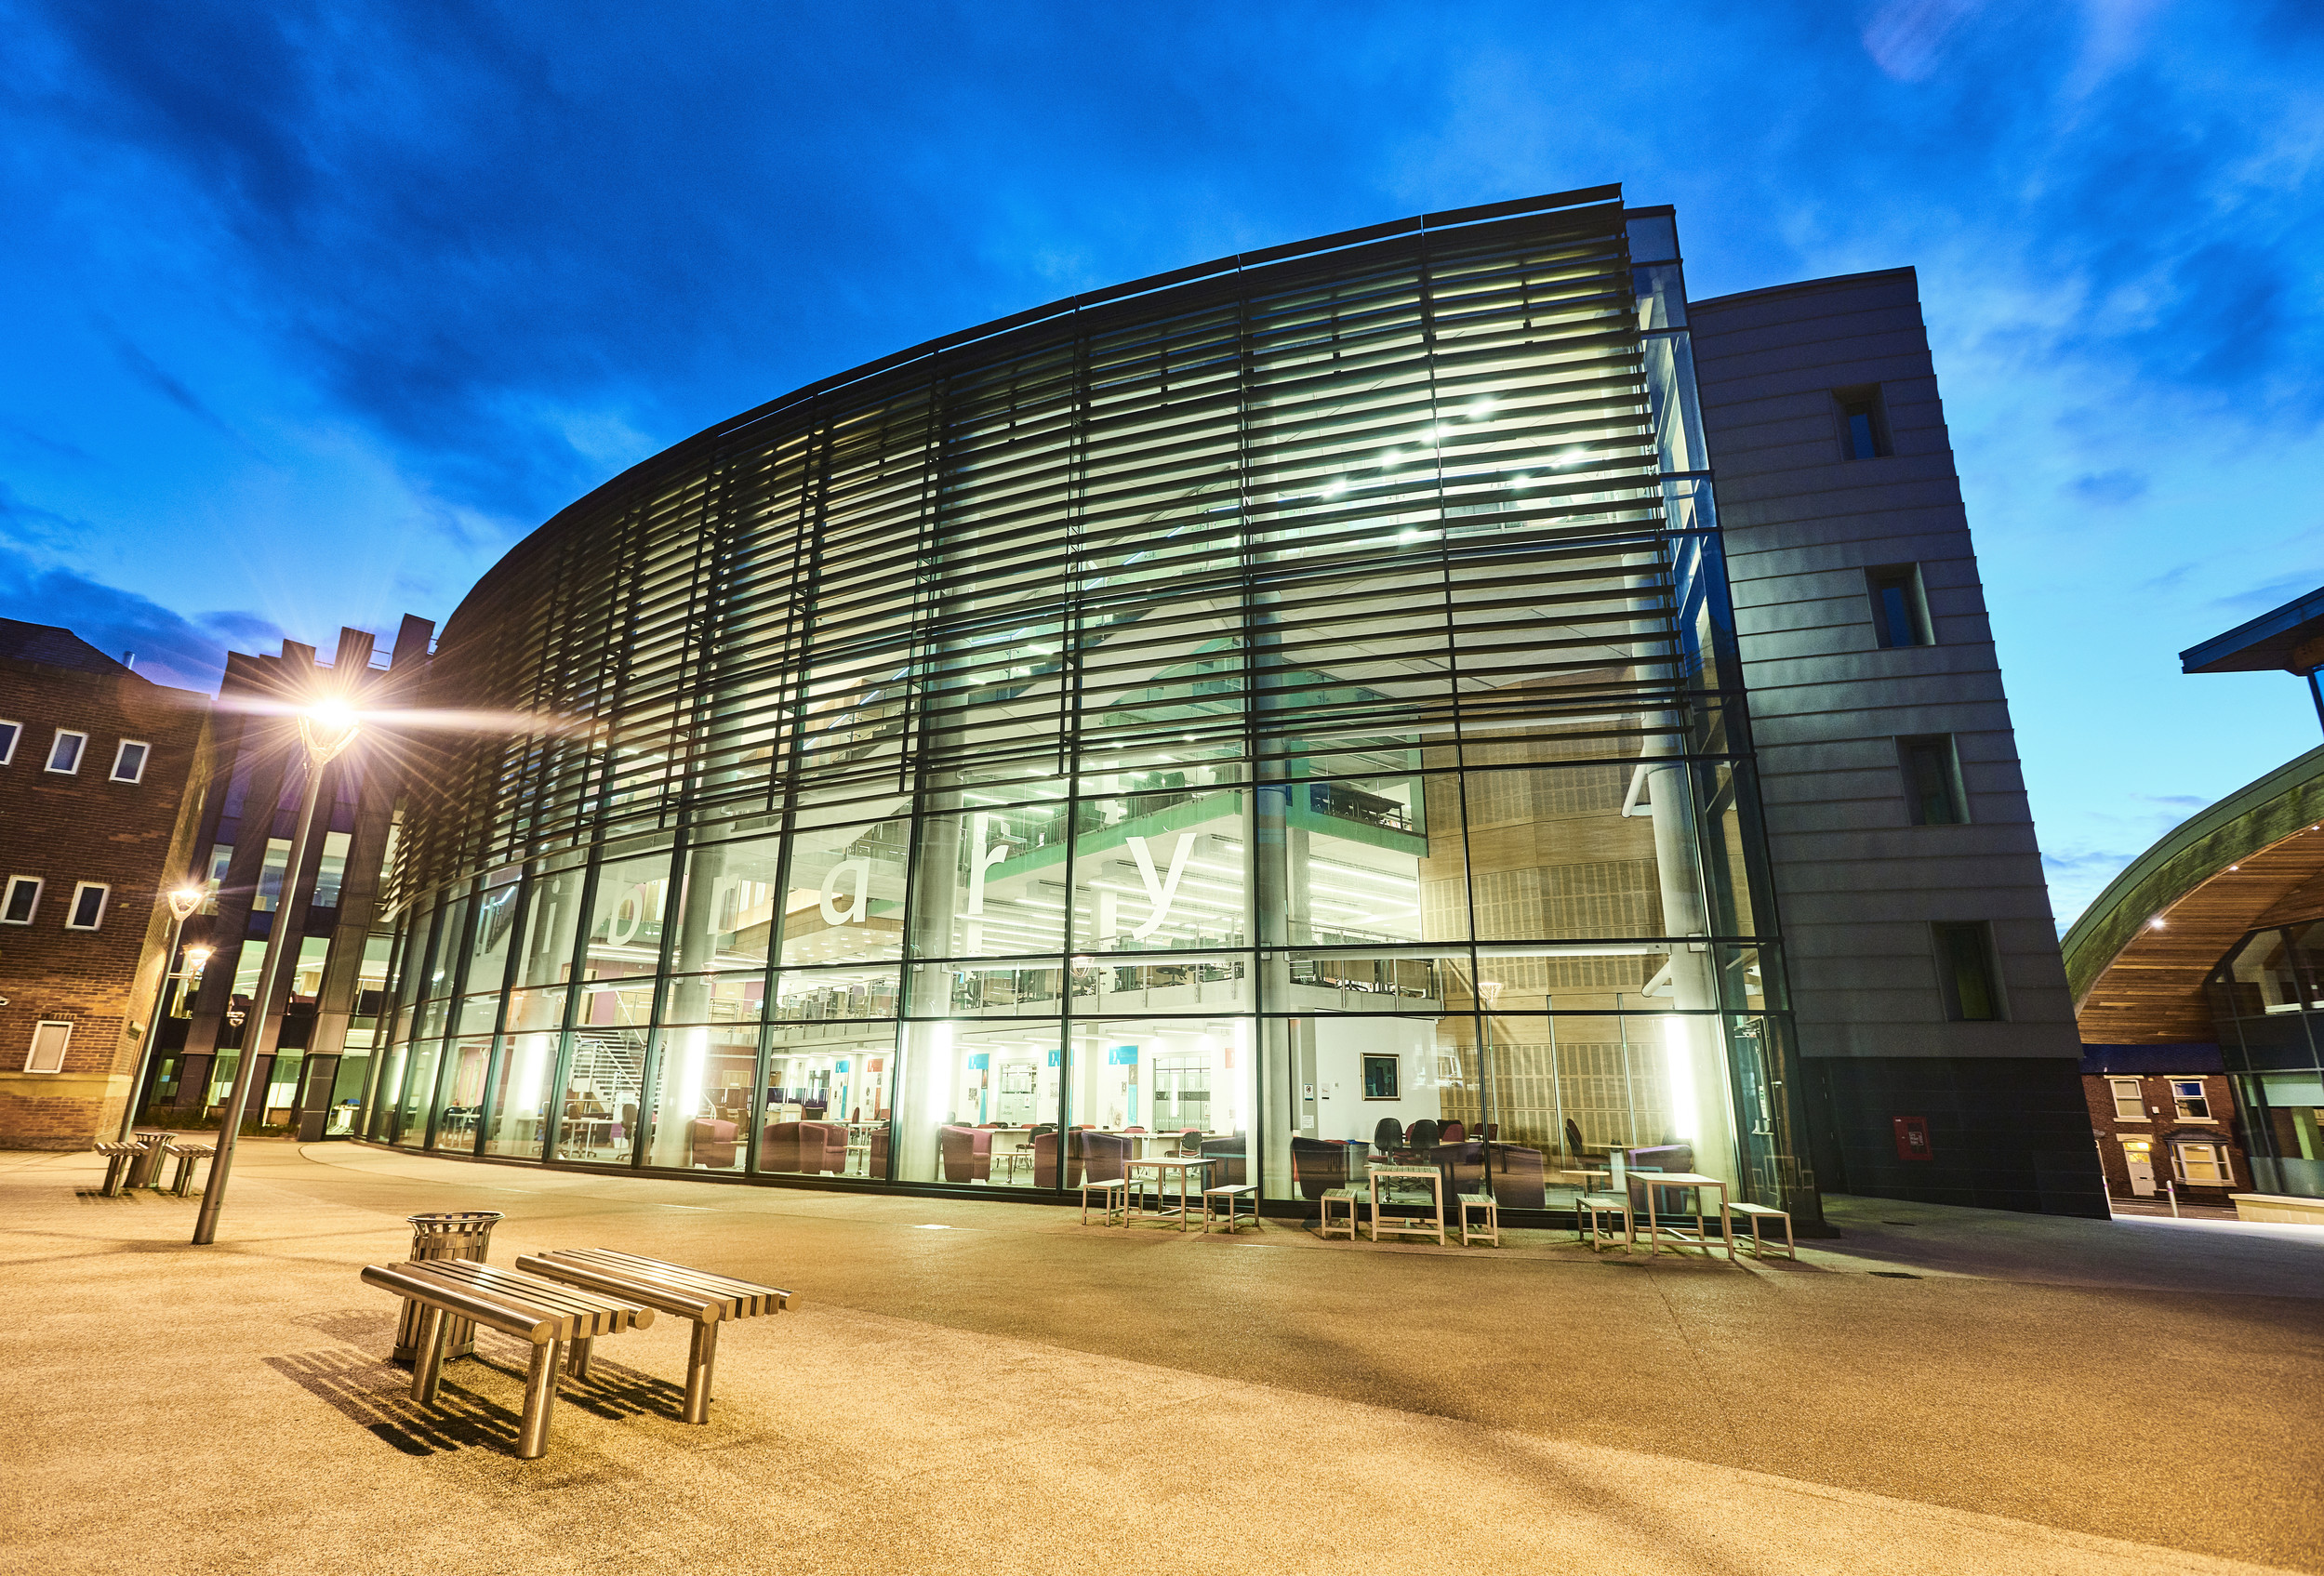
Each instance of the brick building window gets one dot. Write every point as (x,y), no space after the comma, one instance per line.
(49,1038)
(2187,1093)
(2129,1105)
(128,762)
(89,907)
(2204,1163)
(9,733)
(64,752)
(21,901)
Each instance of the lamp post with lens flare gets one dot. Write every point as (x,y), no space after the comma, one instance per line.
(324,730)
(182,903)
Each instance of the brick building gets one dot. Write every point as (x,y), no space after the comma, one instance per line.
(2164,1113)
(100,775)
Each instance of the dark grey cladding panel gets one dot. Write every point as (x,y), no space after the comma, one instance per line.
(1850,486)
(1898,351)
(1810,719)
(1853,541)
(1860,802)
(1800,310)
(1939,882)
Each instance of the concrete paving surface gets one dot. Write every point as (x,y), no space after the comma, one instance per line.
(1937,1390)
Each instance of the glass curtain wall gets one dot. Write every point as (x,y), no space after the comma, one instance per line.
(1289,717)
(2267,1006)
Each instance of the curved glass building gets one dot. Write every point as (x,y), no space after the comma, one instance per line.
(1230,713)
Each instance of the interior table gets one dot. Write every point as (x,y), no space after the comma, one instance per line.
(588,1135)
(1133,1203)
(860,1147)
(1408,1177)
(1678,1235)
(1017,1153)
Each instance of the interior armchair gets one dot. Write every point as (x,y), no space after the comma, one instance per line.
(967,1153)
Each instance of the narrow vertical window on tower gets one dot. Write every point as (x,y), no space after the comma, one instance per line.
(1932,780)
(1900,608)
(1863,422)
(1965,968)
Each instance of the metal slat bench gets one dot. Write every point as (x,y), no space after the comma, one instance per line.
(185,1155)
(1475,1204)
(118,1158)
(543,1312)
(1113,1199)
(1594,1210)
(708,1300)
(1757,1212)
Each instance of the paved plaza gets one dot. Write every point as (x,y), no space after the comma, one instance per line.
(1935,1390)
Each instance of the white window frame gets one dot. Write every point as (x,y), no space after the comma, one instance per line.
(145,756)
(2179,1147)
(7,900)
(104,896)
(64,1045)
(8,744)
(78,756)
(2137,1098)
(2178,1102)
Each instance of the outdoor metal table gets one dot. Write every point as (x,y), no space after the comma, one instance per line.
(1393,1174)
(1657,1233)
(1134,1205)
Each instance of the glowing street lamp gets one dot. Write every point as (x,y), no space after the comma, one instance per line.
(325,728)
(182,903)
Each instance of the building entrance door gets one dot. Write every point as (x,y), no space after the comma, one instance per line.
(2140,1158)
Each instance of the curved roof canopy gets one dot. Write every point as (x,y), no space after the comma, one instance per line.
(2137,958)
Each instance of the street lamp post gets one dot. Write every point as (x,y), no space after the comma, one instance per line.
(324,731)
(182,903)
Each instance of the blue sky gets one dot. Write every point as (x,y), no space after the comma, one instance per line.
(312,311)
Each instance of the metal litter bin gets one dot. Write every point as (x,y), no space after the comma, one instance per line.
(147,1166)
(466,1233)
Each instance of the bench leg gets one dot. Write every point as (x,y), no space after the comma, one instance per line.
(115,1166)
(577,1357)
(700,1361)
(428,1355)
(540,1394)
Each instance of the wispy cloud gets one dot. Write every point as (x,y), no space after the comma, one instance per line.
(148,372)
(171,648)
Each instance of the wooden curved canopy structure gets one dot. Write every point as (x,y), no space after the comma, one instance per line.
(2137,958)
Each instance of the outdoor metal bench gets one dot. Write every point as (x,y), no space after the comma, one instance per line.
(1240,1200)
(1757,1212)
(1484,1204)
(1113,1199)
(527,1307)
(118,1160)
(185,1155)
(1589,1215)
(708,1300)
